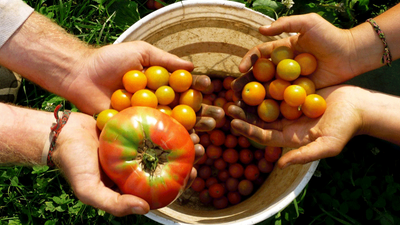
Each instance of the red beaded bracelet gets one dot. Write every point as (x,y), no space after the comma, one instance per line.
(55,131)
(386,57)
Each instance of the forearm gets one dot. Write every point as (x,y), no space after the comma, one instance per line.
(23,134)
(381,117)
(43,53)
(369,47)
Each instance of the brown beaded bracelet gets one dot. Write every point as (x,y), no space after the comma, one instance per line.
(55,131)
(386,57)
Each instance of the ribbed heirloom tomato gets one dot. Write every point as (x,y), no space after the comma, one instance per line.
(147,154)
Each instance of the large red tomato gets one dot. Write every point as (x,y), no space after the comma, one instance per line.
(147,154)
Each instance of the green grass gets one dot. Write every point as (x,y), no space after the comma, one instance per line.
(359,186)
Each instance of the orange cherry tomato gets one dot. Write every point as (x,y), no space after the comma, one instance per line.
(307,62)
(277,88)
(144,97)
(121,99)
(192,98)
(180,80)
(185,115)
(253,93)
(165,95)
(134,80)
(306,83)
(288,69)
(157,76)
(268,110)
(289,112)
(294,95)
(314,106)
(263,70)
(165,109)
(280,53)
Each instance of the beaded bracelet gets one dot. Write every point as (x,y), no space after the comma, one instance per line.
(386,57)
(55,131)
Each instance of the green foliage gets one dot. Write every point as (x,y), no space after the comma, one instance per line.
(342,13)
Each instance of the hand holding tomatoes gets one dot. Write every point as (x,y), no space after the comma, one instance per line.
(333,48)
(313,138)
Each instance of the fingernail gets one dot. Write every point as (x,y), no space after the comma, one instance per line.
(267,26)
(286,165)
(138,210)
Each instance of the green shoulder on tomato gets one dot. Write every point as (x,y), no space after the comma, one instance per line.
(147,154)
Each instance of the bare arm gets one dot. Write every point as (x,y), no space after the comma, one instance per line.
(23,134)
(369,47)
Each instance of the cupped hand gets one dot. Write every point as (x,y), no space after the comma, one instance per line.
(100,72)
(333,47)
(76,155)
(312,139)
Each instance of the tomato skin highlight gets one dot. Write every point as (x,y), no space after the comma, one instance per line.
(121,153)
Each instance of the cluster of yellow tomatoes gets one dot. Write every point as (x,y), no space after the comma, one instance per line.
(282,86)
(157,88)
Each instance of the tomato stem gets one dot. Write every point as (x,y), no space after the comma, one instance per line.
(150,160)
(152,155)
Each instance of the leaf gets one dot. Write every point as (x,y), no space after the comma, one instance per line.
(51,222)
(126,13)
(386,219)
(369,213)
(51,102)
(39,169)
(356,194)
(363,5)
(391,189)
(15,182)
(396,203)
(50,207)
(380,203)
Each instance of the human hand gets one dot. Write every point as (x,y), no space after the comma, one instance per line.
(312,139)
(100,72)
(333,47)
(76,154)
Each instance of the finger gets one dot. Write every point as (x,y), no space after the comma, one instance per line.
(198,148)
(112,202)
(193,175)
(289,24)
(249,115)
(322,147)
(214,112)
(204,124)
(268,137)
(201,82)
(154,56)
(199,152)
(238,84)
(263,50)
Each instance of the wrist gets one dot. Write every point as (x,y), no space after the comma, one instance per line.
(368,49)
(23,135)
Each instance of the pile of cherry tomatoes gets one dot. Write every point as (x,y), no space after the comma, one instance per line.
(157,88)
(233,167)
(282,86)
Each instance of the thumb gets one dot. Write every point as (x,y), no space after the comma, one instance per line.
(289,24)
(322,147)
